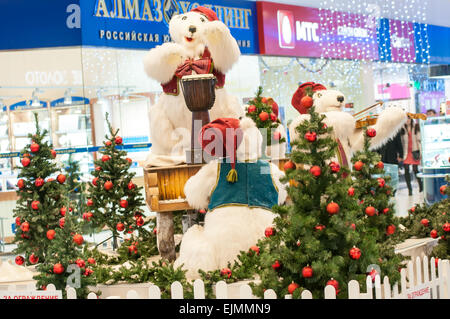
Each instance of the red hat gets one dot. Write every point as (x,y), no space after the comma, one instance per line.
(301,92)
(229,135)
(207,12)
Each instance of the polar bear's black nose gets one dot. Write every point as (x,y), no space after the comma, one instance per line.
(340,98)
(192,29)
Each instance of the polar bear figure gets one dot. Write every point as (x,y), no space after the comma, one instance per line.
(201,44)
(331,103)
(230,225)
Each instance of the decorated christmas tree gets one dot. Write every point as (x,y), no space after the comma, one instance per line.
(65,264)
(113,199)
(418,223)
(376,206)
(441,223)
(319,240)
(42,201)
(264,112)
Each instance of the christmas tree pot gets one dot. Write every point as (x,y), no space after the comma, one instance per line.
(199,95)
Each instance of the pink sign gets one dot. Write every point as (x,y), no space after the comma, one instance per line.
(402,41)
(395,91)
(287,30)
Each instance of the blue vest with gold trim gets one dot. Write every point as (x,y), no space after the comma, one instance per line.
(254,188)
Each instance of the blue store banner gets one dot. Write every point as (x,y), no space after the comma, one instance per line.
(144,24)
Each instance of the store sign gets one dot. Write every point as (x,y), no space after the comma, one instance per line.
(302,31)
(34,294)
(144,24)
(402,41)
(422,291)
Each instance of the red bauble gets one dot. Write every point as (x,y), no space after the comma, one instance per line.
(276,136)
(434,233)
(25,227)
(412,209)
(53,153)
(108,185)
(51,234)
(18,221)
(91,261)
(123,203)
(62,221)
(385,211)
(319,227)
(39,182)
(307,272)
(254,249)
(311,136)
(351,191)
(358,165)
(380,165)
(78,239)
(88,272)
(332,208)
(105,158)
(315,170)
(425,222)
(131,185)
(155,231)
(118,140)
(129,160)
(335,167)
(276,265)
(94,181)
(80,263)
(353,226)
(371,132)
(35,204)
(251,109)
(442,189)
(21,183)
(333,282)
(292,287)
(370,210)
(390,230)
(108,143)
(355,253)
(306,102)
(33,259)
(25,161)
(98,168)
(270,231)
(373,273)
(58,269)
(263,116)
(273,117)
(19,260)
(264,100)
(132,249)
(63,211)
(120,226)
(89,215)
(140,221)
(226,272)
(289,165)
(34,147)
(381,182)
(61,178)
(90,202)
(446,227)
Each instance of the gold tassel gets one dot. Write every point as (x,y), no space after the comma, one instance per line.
(232,176)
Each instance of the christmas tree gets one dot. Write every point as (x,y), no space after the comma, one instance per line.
(264,112)
(319,240)
(441,223)
(113,199)
(376,205)
(418,223)
(65,264)
(42,200)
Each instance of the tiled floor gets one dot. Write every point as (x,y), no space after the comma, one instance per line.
(405,202)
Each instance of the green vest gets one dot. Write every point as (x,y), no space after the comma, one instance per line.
(254,188)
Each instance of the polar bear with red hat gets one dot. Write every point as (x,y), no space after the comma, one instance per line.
(201,45)
(331,104)
(237,189)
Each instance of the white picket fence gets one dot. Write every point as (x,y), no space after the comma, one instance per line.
(423,282)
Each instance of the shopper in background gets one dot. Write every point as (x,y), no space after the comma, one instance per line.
(431,113)
(412,150)
(391,153)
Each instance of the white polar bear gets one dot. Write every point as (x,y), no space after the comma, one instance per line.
(231,228)
(331,102)
(205,45)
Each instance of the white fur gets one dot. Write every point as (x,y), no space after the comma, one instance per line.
(388,124)
(170,120)
(227,230)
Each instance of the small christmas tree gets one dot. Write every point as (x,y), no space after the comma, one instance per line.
(113,199)
(319,240)
(418,223)
(65,264)
(264,112)
(42,200)
(376,206)
(441,223)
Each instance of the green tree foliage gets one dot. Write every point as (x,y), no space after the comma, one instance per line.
(39,188)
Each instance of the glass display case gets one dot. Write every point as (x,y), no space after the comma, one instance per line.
(435,132)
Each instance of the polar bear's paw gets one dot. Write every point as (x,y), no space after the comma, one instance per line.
(215,31)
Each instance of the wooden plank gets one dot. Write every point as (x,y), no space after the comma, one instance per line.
(7,196)
(92,295)
(434,290)
(132,294)
(270,294)
(221,290)
(353,290)
(176,290)
(245,292)
(378,287)
(71,293)
(154,292)
(199,289)
(306,294)
(330,292)
(387,288)
(166,242)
